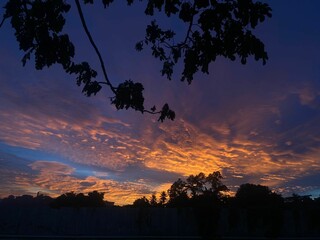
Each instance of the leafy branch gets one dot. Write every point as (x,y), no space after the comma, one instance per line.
(223,28)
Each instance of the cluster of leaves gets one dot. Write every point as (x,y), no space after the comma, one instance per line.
(129,95)
(38,28)
(215,28)
(253,195)
(197,188)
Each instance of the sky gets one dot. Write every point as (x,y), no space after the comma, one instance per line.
(253,123)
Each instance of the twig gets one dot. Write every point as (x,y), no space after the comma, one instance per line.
(190,26)
(2,21)
(147,111)
(94,46)
(107,82)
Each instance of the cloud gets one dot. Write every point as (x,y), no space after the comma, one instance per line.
(308,96)
(21,176)
(11,167)
(57,183)
(52,167)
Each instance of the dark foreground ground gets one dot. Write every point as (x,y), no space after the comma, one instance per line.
(98,237)
(156,223)
(12,237)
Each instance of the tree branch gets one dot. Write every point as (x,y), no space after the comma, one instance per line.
(190,25)
(147,111)
(113,89)
(107,81)
(4,18)
(105,84)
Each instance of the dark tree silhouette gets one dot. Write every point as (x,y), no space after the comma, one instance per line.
(261,203)
(153,201)
(298,217)
(95,199)
(40,200)
(141,202)
(214,28)
(72,199)
(257,195)
(296,200)
(206,185)
(197,190)
(163,198)
(178,194)
(196,184)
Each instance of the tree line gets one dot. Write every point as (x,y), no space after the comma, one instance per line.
(209,191)
(254,210)
(200,191)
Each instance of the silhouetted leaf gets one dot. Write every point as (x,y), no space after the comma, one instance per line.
(167,69)
(88,1)
(139,46)
(91,88)
(129,95)
(202,3)
(186,13)
(106,3)
(166,112)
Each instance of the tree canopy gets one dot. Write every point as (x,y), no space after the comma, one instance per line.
(72,199)
(214,28)
(196,189)
(252,195)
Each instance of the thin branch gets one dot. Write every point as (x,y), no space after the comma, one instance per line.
(4,18)
(190,26)
(188,33)
(104,83)
(107,82)
(167,45)
(27,56)
(147,111)
(94,46)
(187,37)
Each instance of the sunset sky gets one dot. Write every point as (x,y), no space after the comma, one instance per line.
(254,123)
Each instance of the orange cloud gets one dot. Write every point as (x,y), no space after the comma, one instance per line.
(52,167)
(56,183)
